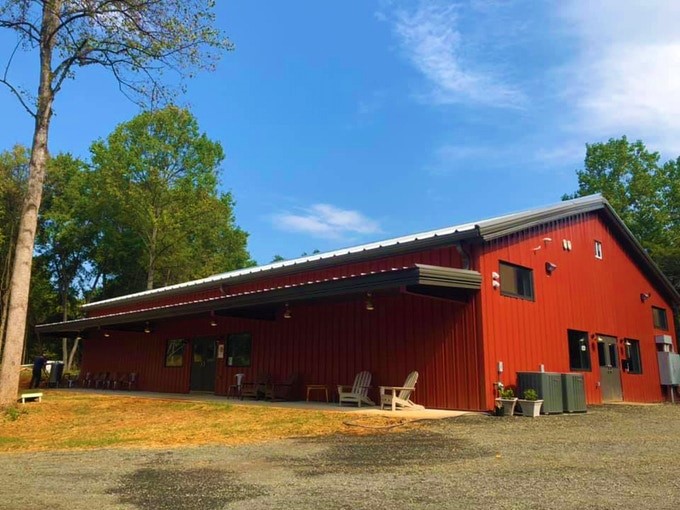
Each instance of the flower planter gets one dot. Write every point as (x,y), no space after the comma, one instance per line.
(531,408)
(508,405)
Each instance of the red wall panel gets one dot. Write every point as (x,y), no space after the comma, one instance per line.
(583,293)
(326,343)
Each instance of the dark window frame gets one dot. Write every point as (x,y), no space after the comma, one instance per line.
(577,339)
(517,272)
(633,356)
(662,316)
(234,355)
(174,349)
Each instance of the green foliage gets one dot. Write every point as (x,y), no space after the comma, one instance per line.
(507,393)
(645,193)
(530,394)
(161,217)
(13,413)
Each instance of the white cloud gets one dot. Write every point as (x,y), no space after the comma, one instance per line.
(625,77)
(432,41)
(327,221)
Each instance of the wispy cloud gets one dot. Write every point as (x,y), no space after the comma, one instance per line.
(326,221)
(432,41)
(624,79)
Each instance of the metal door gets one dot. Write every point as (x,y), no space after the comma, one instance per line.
(203,364)
(610,371)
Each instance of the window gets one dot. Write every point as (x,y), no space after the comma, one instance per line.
(238,350)
(660,318)
(598,250)
(516,281)
(579,354)
(633,355)
(174,353)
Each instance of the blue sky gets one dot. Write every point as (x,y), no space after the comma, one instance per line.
(350,122)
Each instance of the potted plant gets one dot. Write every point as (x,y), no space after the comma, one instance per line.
(531,405)
(506,400)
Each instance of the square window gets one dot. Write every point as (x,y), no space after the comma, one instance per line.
(516,281)
(660,318)
(633,355)
(174,353)
(598,250)
(579,353)
(239,346)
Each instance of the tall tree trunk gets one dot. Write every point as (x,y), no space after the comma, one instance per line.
(4,288)
(23,255)
(64,318)
(152,258)
(72,355)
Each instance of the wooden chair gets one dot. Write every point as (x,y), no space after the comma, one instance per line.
(402,399)
(282,391)
(258,388)
(111,380)
(358,392)
(86,381)
(118,381)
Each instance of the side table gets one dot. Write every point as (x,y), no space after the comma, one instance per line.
(317,387)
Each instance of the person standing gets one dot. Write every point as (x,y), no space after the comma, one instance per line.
(39,364)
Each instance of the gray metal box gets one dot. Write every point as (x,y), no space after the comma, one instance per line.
(573,393)
(548,385)
(669,368)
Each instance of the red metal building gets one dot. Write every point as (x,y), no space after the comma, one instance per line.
(561,288)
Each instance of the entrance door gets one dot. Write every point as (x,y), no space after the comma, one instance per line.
(203,364)
(610,371)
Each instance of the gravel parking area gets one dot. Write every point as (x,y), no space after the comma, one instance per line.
(612,457)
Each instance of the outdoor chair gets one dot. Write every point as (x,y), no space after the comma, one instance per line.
(118,381)
(130,382)
(400,396)
(257,389)
(110,381)
(358,392)
(282,391)
(100,380)
(86,381)
(235,389)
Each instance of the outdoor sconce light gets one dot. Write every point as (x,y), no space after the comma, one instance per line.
(494,280)
(600,340)
(286,312)
(107,334)
(213,322)
(550,267)
(368,303)
(644,296)
(147,328)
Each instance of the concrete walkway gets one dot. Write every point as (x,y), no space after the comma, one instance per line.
(422,414)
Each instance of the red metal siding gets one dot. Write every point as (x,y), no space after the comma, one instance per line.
(583,293)
(326,343)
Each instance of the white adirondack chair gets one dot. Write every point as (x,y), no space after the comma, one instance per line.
(400,396)
(358,392)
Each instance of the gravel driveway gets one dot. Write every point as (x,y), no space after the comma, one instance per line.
(611,457)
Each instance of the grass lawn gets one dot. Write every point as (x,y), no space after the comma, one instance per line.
(65,421)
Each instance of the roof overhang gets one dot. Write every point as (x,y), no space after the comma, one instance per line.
(434,281)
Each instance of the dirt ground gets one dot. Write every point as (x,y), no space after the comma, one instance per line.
(612,457)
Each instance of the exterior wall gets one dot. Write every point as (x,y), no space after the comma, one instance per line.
(583,293)
(327,342)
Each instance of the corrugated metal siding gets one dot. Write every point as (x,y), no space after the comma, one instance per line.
(583,293)
(326,343)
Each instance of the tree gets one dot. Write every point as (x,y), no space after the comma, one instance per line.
(643,192)
(157,181)
(134,39)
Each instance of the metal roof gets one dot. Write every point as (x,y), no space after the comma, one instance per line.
(484,230)
(419,276)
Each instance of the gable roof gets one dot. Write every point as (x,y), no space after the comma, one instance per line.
(484,230)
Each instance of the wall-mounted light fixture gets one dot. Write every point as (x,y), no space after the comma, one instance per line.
(368,302)
(644,296)
(107,334)
(550,267)
(147,328)
(495,284)
(286,312)
(213,322)
(600,340)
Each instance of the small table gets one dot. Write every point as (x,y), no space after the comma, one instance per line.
(31,396)
(317,387)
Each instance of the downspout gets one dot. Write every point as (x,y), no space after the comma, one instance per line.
(464,256)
